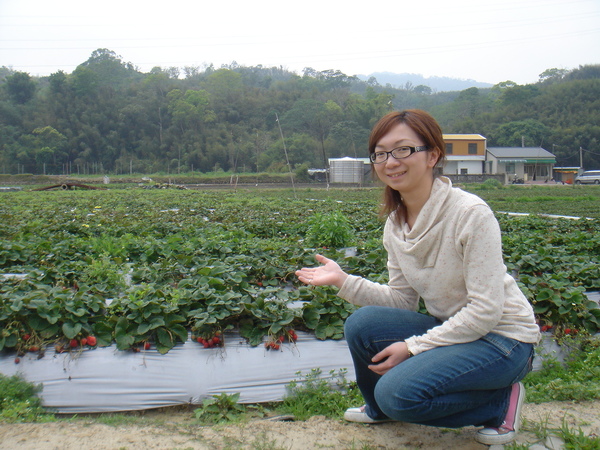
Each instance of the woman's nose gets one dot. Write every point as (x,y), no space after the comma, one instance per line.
(391,161)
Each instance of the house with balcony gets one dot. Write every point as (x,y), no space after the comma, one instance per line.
(465,154)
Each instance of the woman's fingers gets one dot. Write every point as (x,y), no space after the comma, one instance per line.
(327,273)
(322,259)
(306,275)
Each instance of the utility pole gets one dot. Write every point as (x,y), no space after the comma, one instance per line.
(581,158)
(286,155)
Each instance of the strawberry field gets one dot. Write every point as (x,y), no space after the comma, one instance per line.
(148,269)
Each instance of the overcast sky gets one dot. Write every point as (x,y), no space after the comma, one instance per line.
(487,41)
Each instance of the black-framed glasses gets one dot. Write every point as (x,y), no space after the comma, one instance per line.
(397,153)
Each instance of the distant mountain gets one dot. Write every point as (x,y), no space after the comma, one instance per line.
(437,84)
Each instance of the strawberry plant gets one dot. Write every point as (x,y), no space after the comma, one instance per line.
(270,314)
(179,262)
(147,314)
(556,302)
(48,313)
(326,313)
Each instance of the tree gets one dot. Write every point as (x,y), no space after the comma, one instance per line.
(225,87)
(109,68)
(315,118)
(190,109)
(372,81)
(584,73)
(529,132)
(348,138)
(111,115)
(552,75)
(20,87)
(423,90)
(58,82)
(85,82)
(518,96)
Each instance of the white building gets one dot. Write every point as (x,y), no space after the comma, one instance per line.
(527,163)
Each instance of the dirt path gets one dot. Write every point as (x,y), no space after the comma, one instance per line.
(167,429)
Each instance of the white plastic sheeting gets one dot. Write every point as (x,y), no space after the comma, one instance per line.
(107,379)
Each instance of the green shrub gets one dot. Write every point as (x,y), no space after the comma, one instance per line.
(491,183)
(220,408)
(576,380)
(316,395)
(330,230)
(19,401)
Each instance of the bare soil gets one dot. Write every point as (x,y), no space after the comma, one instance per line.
(177,429)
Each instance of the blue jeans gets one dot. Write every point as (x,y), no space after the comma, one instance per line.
(452,386)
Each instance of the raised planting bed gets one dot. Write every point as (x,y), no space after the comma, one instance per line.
(105,379)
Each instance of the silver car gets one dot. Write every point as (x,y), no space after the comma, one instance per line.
(588,177)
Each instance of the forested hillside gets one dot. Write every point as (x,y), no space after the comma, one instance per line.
(108,117)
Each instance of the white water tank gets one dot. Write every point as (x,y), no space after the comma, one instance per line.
(346,170)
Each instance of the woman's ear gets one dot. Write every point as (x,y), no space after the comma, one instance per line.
(434,157)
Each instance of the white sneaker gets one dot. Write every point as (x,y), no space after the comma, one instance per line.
(507,432)
(359,415)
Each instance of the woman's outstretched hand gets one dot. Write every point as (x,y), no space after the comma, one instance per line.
(329,273)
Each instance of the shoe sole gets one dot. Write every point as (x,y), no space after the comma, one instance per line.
(361,417)
(501,439)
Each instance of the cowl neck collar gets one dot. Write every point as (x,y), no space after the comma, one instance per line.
(429,215)
(423,241)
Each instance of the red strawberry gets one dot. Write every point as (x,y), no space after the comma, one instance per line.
(17,360)
(200,340)
(216,340)
(26,337)
(33,348)
(147,346)
(91,341)
(74,343)
(84,341)
(567,331)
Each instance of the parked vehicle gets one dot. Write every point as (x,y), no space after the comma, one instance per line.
(588,177)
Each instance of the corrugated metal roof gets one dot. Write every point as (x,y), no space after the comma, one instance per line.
(527,160)
(520,152)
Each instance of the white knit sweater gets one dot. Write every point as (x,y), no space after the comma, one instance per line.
(452,259)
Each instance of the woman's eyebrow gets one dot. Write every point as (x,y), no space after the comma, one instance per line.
(399,143)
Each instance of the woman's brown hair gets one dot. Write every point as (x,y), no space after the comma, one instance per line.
(426,128)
